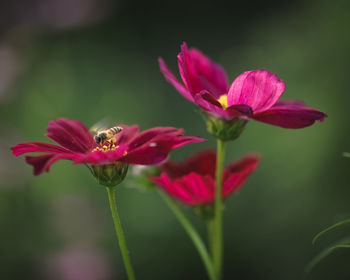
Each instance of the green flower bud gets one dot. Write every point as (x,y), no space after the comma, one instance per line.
(225,130)
(111,174)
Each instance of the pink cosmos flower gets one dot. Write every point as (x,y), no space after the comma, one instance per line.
(193,181)
(76,143)
(252,95)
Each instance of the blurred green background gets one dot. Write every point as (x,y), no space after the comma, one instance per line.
(90,59)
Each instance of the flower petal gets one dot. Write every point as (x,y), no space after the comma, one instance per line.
(153,145)
(149,134)
(128,134)
(209,104)
(203,163)
(43,163)
(29,147)
(237,173)
(199,73)
(175,190)
(290,114)
(201,187)
(259,89)
(71,134)
(172,79)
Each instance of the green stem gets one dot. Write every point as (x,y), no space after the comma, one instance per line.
(211,233)
(218,235)
(193,234)
(120,233)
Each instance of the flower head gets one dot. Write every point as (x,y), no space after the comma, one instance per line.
(193,181)
(252,95)
(76,143)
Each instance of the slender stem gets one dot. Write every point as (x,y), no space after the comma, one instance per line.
(193,234)
(120,233)
(211,228)
(218,236)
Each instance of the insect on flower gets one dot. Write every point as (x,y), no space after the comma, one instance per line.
(76,143)
(107,135)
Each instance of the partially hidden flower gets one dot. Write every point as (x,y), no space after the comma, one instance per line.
(252,95)
(107,162)
(193,181)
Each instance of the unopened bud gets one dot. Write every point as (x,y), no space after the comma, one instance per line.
(111,174)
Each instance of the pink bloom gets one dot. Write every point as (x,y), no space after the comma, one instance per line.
(193,181)
(76,143)
(252,95)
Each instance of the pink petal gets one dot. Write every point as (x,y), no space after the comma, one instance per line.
(236,174)
(172,79)
(157,150)
(174,189)
(150,134)
(199,73)
(128,134)
(70,134)
(290,114)
(184,140)
(259,89)
(209,104)
(202,188)
(202,163)
(211,75)
(182,192)
(29,147)
(247,163)
(153,145)
(43,163)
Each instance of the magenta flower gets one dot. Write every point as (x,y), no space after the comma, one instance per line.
(76,143)
(252,95)
(193,181)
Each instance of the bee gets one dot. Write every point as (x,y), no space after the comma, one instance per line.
(107,135)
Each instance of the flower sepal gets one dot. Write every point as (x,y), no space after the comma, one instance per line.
(225,130)
(204,211)
(111,174)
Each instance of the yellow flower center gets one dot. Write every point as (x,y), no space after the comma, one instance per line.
(105,148)
(223,101)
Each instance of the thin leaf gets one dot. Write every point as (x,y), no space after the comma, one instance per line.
(346,154)
(329,229)
(343,243)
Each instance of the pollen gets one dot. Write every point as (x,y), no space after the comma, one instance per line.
(106,148)
(223,101)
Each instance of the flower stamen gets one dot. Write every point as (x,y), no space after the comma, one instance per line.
(223,101)
(106,148)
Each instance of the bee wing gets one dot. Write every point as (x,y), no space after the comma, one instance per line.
(101,125)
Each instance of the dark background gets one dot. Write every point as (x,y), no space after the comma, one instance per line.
(92,59)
